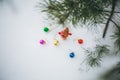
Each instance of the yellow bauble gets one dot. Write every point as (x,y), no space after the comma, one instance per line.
(56,42)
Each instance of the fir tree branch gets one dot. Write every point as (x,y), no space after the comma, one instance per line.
(112,74)
(116,36)
(110,11)
(79,11)
(94,57)
(114,23)
(110,17)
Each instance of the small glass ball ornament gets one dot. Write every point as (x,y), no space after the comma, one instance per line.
(80,41)
(46,29)
(42,41)
(72,55)
(56,42)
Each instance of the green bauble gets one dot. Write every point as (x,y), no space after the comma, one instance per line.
(46,29)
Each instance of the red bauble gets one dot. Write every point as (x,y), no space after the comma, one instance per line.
(80,41)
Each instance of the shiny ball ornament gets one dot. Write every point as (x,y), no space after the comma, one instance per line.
(80,41)
(56,42)
(42,41)
(46,29)
(72,55)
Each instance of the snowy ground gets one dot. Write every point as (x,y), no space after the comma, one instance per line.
(23,58)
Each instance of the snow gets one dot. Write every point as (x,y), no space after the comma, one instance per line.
(23,58)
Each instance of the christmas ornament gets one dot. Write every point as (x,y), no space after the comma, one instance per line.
(72,55)
(56,42)
(64,33)
(46,29)
(42,41)
(80,41)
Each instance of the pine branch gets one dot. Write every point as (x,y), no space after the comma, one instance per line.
(94,58)
(110,11)
(117,26)
(102,50)
(110,17)
(116,36)
(83,11)
(79,11)
(112,74)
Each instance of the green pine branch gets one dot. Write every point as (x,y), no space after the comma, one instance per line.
(94,57)
(75,11)
(110,17)
(81,11)
(112,74)
(116,37)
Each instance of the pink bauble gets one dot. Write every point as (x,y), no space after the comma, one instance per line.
(42,41)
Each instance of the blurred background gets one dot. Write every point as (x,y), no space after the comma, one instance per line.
(23,58)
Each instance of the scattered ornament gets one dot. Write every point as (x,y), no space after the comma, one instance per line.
(64,33)
(42,41)
(56,42)
(72,55)
(46,29)
(80,41)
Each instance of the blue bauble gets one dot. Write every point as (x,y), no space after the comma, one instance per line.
(72,55)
